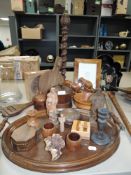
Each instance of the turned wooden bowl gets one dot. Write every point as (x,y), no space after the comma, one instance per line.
(80,102)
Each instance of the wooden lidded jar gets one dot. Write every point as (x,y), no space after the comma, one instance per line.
(39,101)
(64,97)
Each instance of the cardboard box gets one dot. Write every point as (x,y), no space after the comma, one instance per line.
(17,5)
(7,71)
(106,7)
(121,7)
(82,128)
(78,7)
(17,65)
(31,33)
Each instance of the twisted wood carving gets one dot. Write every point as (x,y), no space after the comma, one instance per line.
(65,22)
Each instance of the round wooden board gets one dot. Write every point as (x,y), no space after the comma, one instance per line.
(37,159)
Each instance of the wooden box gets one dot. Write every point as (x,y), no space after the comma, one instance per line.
(82,128)
(23,138)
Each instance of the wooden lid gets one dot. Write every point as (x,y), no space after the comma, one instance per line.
(23,133)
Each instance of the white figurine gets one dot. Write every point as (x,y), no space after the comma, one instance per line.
(62,121)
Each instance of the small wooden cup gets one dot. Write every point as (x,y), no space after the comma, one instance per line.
(73,141)
(48,129)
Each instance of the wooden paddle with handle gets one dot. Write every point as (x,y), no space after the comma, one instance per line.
(15,109)
(12,110)
(37,114)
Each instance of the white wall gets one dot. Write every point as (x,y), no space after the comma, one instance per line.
(5,35)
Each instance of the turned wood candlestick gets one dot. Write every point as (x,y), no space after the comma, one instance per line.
(65,22)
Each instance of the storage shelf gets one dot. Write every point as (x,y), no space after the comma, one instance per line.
(46,65)
(78,48)
(124,51)
(114,37)
(43,40)
(83,30)
(80,36)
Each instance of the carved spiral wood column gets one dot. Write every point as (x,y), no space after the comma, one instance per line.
(65,22)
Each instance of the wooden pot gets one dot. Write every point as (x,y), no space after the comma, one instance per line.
(73,141)
(39,101)
(48,129)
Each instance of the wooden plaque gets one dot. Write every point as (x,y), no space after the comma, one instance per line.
(89,69)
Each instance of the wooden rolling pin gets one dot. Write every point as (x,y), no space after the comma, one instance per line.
(120,111)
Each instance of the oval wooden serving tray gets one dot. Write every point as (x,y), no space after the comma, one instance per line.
(37,159)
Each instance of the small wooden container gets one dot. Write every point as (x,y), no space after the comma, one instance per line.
(82,128)
(73,141)
(23,138)
(64,97)
(48,129)
(39,101)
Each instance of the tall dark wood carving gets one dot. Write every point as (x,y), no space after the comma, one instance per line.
(65,22)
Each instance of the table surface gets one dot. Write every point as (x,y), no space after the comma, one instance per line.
(118,163)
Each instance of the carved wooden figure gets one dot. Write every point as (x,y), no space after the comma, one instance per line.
(51,102)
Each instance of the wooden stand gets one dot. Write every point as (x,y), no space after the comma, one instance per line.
(37,159)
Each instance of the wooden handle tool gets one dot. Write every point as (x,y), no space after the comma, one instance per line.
(120,111)
(116,120)
(2,124)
